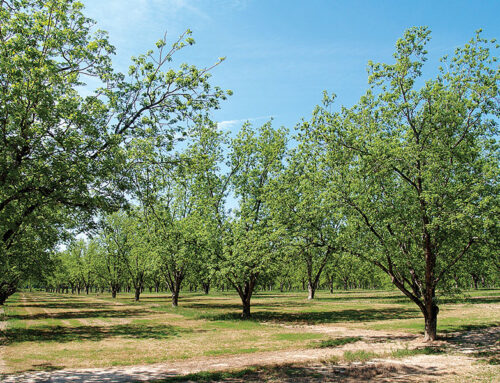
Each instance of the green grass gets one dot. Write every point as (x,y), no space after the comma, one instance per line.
(359,356)
(233,324)
(208,376)
(405,352)
(488,357)
(231,351)
(337,342)
(88,331)
(295,336)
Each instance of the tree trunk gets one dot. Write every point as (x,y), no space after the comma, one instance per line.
(430,316)
(6,290)
(175,298)
(114,289)
(137,294)
(475,280)
(246,309)
(206,287)
(311,289)
(245,292)
(176,288)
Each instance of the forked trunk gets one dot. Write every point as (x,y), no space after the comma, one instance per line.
(245,292)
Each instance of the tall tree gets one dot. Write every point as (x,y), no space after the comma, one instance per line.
(113,241)
(60,150)
(300,204)
(251,241)
(417,168)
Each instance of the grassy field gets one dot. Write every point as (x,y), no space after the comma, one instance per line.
(54,331)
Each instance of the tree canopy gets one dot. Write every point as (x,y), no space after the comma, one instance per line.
(406,180)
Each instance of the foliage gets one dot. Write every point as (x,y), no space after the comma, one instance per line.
(417,169)
(63,151)
(251,242)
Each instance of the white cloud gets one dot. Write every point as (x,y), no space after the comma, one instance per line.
(228,124)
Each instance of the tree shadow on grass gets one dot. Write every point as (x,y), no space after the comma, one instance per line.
(68,305)
(327,372)
(210,306)
(461,329)
(471,300)
(365,315)
(237,306)
(81,314)
(61,334)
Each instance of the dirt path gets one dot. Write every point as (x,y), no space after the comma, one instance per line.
(160,371)
(420,368)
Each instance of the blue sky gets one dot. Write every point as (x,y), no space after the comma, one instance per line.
(281,55)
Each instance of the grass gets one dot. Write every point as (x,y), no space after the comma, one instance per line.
(405,352)
(208,376)
(298,336)
(231,351)
(488,357)
(337,342)
(47,331)
(359,356)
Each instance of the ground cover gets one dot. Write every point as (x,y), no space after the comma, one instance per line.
(56,331)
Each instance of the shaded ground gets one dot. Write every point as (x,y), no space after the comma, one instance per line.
(291,340)
(312,365)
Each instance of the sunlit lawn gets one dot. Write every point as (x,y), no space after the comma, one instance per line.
(52,331)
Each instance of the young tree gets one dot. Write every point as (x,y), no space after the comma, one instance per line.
(114,246)
(310,224)
(417,168)
(28,255)
(250,240)
(128,251)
